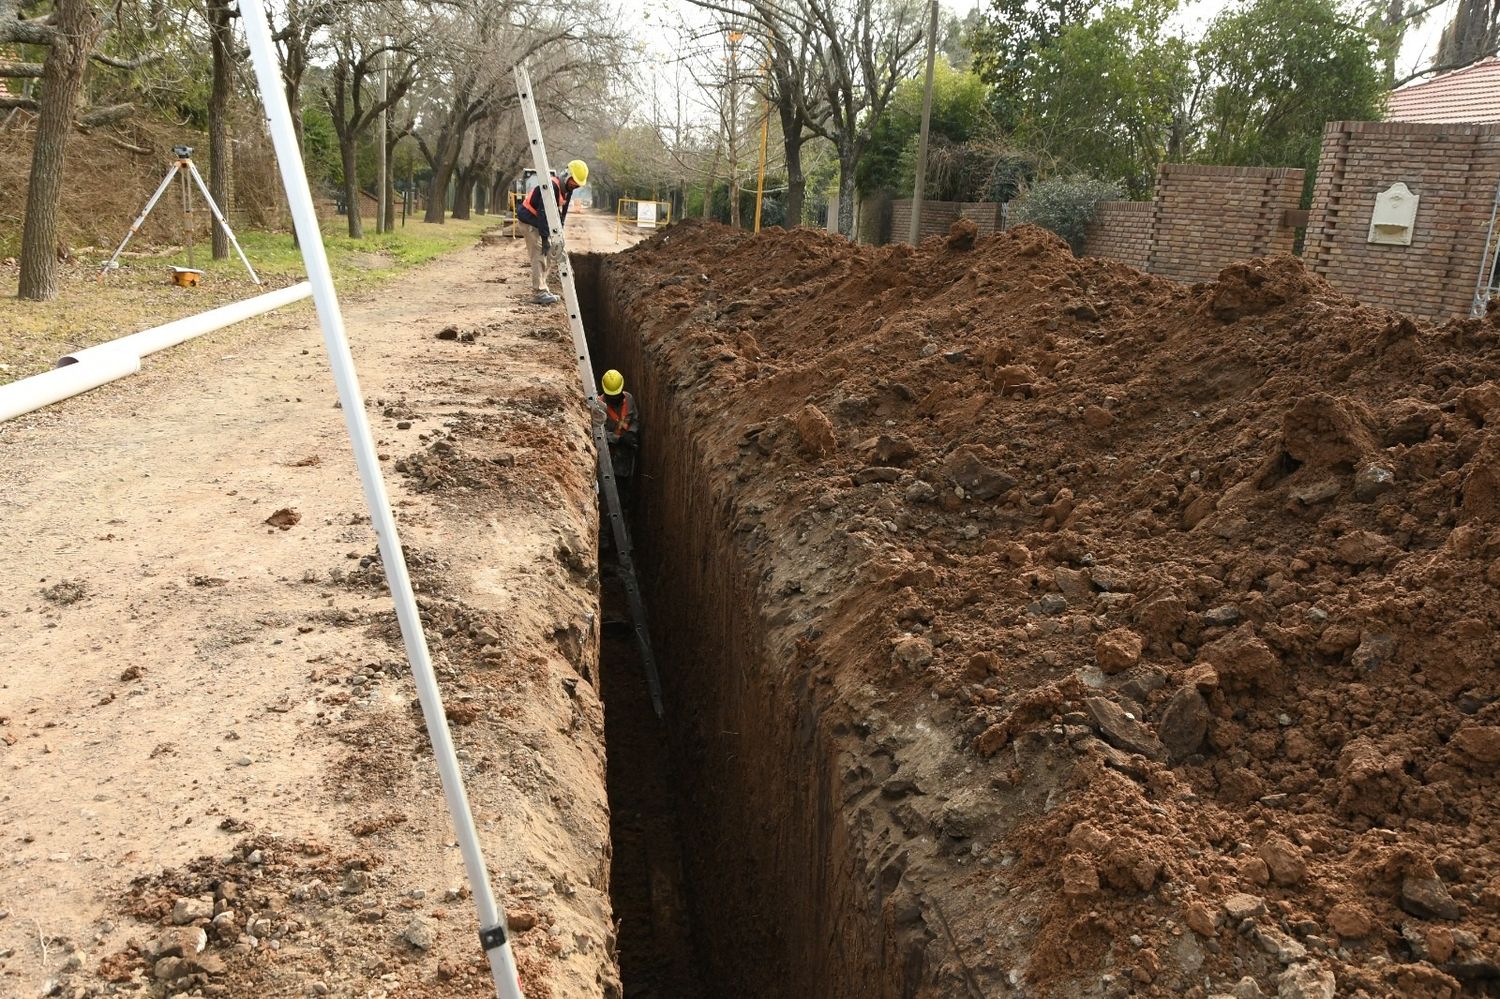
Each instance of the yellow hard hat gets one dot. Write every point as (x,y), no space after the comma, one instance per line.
(579,171)
(613,382)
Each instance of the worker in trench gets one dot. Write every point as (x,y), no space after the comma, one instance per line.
(622,432)
(532,214)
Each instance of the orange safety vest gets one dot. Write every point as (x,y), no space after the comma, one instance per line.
(622,418)
(533,200)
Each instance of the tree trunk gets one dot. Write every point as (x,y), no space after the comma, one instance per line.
(846,194)
(78,26)
(463,193)
(437,191)
(291,75)
(481,198)
(349,155)
(791,144)
(708,189)
(796,183)
(218,123)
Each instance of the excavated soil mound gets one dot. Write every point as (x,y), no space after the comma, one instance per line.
(1196,586)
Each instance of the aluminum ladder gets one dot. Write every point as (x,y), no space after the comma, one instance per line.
(621,531)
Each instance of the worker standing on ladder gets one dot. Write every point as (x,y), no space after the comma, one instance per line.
(622,430)
(531,213)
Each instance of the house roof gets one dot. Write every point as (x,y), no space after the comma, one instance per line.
(1471,94)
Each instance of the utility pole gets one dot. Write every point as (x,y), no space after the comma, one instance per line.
(921,184)
(765,132)
(733,127)
(381,178)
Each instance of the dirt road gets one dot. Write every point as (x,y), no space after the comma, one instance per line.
(206,712)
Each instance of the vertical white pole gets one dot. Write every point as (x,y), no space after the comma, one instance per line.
(310,238)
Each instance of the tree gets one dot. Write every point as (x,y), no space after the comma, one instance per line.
(297,44)
(959,114)
(857,52)
(1115,94)
(358,50)
(398,127)
(70,32)
(1007,41)
(790,64)
(1473,34)
(74,30)
(864,48)
(954,36)
(1279,70)
(221,46)
(725,85)
(571,52)
(634,161)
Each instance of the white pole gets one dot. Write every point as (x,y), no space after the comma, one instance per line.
(310,238)
(171,334)
(87,369)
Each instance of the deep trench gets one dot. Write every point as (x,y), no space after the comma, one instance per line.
(733,873)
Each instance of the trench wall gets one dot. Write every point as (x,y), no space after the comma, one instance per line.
(782,904)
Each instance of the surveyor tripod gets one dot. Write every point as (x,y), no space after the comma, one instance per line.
(184,169)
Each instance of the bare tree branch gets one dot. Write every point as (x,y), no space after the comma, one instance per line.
(20,69)
(127,64)
(106,115)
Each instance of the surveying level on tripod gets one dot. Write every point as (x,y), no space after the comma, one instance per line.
(185,171)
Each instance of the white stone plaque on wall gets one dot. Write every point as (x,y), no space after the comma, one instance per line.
(1395,216)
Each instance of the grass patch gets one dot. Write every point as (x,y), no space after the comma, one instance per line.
(138,295)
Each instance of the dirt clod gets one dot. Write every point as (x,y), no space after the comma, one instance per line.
(815,432)
(65,592)
(284,519)
(1118,650)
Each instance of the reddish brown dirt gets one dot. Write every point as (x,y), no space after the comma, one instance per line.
(1162,617)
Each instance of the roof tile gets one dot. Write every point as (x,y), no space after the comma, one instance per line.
(1471,94)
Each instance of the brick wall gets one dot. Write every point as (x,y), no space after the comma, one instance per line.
(1207,217)
(1202,219)
(1122,231)
(1454,169)
(937,216)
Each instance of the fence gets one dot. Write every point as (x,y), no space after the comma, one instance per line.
(1207,217)
(1122,231)
(1430,270)
(938,216)
(1202,219)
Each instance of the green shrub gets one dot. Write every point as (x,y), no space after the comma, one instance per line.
(1065,204)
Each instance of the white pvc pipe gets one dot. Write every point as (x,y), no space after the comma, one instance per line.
(170,334)
(91,367)
(28,394)
(310,237)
